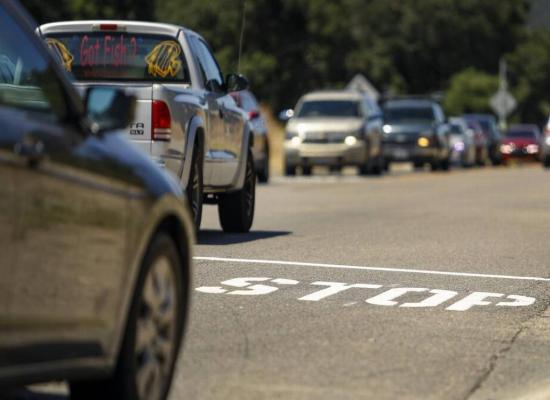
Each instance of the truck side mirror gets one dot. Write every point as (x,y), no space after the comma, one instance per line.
(285,115)
(236,83)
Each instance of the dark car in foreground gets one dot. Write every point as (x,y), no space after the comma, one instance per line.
(415,131)
(521,142)
(95,238)
(492,134)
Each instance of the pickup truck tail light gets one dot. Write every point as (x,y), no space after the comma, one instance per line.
(161,122)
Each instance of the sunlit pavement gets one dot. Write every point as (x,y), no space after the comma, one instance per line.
(417,285)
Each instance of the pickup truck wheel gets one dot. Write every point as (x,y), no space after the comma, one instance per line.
(236,210)
(153,332)
(194,189)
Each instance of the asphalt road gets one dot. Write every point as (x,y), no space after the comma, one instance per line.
(413,286)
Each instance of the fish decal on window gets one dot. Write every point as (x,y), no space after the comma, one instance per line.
(164,59)
(61,52)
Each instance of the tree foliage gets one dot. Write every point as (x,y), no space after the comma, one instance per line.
(470,91)
(403,46)
(415,46)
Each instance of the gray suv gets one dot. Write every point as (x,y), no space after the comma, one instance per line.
(336,129)
(415,131)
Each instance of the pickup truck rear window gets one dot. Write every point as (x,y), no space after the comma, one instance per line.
(114,56)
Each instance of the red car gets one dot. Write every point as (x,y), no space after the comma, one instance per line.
(521,141)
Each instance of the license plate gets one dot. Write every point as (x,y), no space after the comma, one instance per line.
(400,154)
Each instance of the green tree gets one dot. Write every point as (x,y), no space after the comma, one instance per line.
(470,91)
(528,69)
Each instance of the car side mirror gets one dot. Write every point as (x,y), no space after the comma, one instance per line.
(285,115)
(108,109)
(236,83)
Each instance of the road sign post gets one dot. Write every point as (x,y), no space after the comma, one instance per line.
(503,103)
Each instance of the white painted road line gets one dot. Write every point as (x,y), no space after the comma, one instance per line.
(363,268)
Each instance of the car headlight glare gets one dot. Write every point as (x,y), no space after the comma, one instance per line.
(459,146)
(350,140)
(532,149)
(547,140)
(423,142)
(387,129)
(296,140)
(507,148)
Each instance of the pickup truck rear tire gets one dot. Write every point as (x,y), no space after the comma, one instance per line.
(194,190)
(236,210)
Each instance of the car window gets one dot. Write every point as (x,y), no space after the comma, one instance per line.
(27,81)
(330,108)
(402,114)
(120,56)
(208,64)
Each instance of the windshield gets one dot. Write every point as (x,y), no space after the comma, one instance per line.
(330,108)
(409,114)
(120,56)
(523,134)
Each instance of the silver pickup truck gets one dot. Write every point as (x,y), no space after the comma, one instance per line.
(185,118)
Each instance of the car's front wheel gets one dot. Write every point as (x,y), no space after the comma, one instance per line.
(236,210)
(153,332)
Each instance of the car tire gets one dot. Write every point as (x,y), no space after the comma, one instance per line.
(445,164)
(418,165)
(306,170)
(153,334)
(290,170)
(546,162)
(236,210)
(263,174)
(194,189)
(434,165)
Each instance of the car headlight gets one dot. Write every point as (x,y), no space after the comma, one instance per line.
(387,129)
(296,140)
(459,146)
(507,148)
(350,140)
(423,141)
(532,148)
(547,140)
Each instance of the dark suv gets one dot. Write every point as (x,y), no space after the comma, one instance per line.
(95,238)
(415,131)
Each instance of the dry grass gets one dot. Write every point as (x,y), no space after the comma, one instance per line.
(276,139)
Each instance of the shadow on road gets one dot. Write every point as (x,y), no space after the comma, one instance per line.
(25,394)
(214,237)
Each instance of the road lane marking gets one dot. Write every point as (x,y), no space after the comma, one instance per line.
(364,268)
(391,296)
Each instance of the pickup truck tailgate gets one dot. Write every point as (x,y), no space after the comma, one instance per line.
(139,130)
